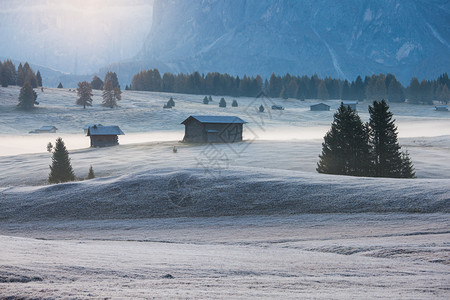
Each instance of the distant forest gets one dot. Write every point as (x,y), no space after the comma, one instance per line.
(10,76)
(375,87)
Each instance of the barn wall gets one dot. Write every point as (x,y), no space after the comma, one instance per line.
(104,140)
(194,132)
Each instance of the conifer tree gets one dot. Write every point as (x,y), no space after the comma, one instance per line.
(97,83)
(112,76)
(234,103)
(261,108)
(84,92)
(388,161)
(91,174)
(222,103)
(27,97)
(111,95)
(171,102)
(345,150)
(61,169)
(20,75)
(39,78)
(60,86)
(205,100)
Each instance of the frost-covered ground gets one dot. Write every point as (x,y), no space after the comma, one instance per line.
(243,220)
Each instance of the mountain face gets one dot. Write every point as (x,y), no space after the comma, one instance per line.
(76,37)
(336,38)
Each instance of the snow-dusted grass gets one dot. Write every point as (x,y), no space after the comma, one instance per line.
(245,220)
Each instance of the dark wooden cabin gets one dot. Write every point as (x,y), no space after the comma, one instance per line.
(213,129)
(104,136)
(320,107)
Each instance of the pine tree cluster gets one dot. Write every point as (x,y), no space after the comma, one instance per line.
(299,87)
(353,148)
(10,76)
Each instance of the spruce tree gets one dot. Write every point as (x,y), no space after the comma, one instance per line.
(234,103)
(61,169)
(171,102)
(97,83)
(60,86)
(91,174)
(84,92)
(26,97)
(222,103)
(346,150)
(386,155)
(39,78)
(205,100)
(111,95)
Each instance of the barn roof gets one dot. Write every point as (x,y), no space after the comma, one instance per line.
(104,130)
(216,119)
(320,104)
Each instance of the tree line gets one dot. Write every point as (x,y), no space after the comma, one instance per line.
(9,75)
(373,87)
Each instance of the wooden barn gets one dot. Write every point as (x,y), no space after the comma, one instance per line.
(104,136)
(351,104)
(213,129)
(319,107)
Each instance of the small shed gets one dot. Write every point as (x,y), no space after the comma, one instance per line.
(320,107)
(46,129)
(104,136)
(351,104)
(441,108)
(277,107)
(213,129)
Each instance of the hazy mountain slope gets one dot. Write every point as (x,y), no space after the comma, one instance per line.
(75,37)
(337,38)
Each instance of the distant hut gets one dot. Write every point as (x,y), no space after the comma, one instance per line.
(320,107)
(213,129)
(104,136)
(441,108)
(351,104)
(45,129)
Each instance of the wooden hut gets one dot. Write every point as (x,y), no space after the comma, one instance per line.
(104,136)
(441,108)
(320,107)
(213,129)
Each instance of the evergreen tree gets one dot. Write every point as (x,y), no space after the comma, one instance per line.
(261,108)
(346,150)
(61,169)
(111,95)
(346,91)
(444,94)
(91,174)
(205,100)
(395,91)
(322,91)
(414,91)
(210,98)
(234,103)
(96,83)
(112,76)
(84,92)
(39,78)
(20,75)
(60,86)
(222,103)
(27,97)
(388,161)
(171,102)
(359,89)
(3,75)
